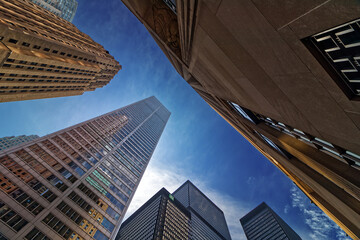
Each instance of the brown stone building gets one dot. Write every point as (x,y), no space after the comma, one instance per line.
(285,74)
(44,56)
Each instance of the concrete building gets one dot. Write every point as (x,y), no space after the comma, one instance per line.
(44,56)
(7,142)
(65,9)
(263,223)
(185,214)
(285,74)
(77,183)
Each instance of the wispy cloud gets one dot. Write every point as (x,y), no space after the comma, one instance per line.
(155,178)
(321,226)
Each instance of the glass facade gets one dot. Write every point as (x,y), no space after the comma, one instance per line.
(65,9)
(264,223)
(185,214)
(94,167)
(207,218)
(162,217)
(7,142)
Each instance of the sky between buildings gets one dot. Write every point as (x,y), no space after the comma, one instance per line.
(197,144)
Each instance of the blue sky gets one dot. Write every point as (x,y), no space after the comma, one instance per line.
(197,144)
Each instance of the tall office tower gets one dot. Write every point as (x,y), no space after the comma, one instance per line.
(7,142)
(207,219)
(285,74)
(44,56)
(263,223)
(65,9)
(185,214)
(161,217)
(77,183)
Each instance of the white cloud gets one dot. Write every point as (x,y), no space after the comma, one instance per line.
(321,226)
(155,178)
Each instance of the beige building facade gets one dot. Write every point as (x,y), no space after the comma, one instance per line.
(45,56)
(285,74)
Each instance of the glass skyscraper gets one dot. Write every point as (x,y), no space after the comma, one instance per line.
(161,217)
(77,183)
(185,214)
(263,223)
(7,142)
(207,219)
(65,9)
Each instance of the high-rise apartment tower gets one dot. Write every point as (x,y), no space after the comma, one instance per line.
(65,9)
(44,56)
(77,183)
(185,214)
(7,142)
(285,74)
(263,223)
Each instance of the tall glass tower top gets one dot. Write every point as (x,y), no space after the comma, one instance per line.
(65,9)
(207,219)
(77,183)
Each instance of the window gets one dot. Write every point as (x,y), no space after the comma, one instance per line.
(25,44)
(11,218)
(338,50)
(14,41)
(247,114)
(35,234)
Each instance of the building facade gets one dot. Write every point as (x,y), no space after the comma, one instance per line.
(65,9)
(77,183)
(7,142)
(283,74)
(185,214)
(207,219)
(263,223)
(44,56)
(161,217)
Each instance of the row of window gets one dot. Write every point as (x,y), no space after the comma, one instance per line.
(113,188)
(71,152)
(33,183)
(51,67)
(41,170)
(331,149)
(36,234)
(19,195)
(90,194)
(59,227)
(11,218)
(53,163)
(115,179)
(41,90)
(49,70)
(104,192)
(92,211)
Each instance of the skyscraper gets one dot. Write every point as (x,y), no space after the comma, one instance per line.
(65,9)
(263,223)
(185,214)
(161,217)
(207,219)
(44,56)
(285,74)
(78,182)
(7,142)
